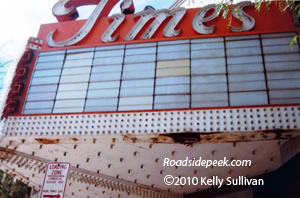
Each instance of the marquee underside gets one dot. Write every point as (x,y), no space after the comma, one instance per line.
(113,164)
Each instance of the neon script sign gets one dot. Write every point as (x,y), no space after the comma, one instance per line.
(65,10)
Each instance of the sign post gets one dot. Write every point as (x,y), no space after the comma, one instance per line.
(55,180)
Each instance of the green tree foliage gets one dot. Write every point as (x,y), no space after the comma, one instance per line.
(11,189)
(284,5)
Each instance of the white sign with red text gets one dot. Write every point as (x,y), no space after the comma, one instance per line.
(55,180)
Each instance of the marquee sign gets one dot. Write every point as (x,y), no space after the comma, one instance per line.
(65,10)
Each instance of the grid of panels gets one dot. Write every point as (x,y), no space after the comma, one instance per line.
(247,84)
(137,87)
(209,83)
(45,79)
(105,79)
(212,72)
(72,89)
(172,86)
(282,68)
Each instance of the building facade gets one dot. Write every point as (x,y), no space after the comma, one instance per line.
(119,96)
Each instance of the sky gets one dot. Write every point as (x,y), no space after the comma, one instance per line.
(21,19)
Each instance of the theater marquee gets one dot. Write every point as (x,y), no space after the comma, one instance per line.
(174,17)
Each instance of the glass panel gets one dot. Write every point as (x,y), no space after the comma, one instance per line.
(110,47)
(37,111)
(69,103)
(173,55)
(75,78)
(73,87)
(172,64)
(117,60)
(42,96)
(103,93)
(173,80)
(208,53)
(242,43)
(102,102)
(111,68)
(153,44)
(104,85)
(206,46)
(144,91)
(285,101)
(52,52)
(45,80)
(206,40)
(148,50)
(172,99)
(209,66)
(138,75)
(79,70)
(78,63)
(245,68)
(137,83)
(173,42)
(284,57)
(277,41)
(289,34)
(100,109)
(249,51)
(283,84)
(136,100)
(140,58)
(210,100)
(181,71)
(45,73)
(241,60)
(135,107)
(39,105)
(172,89)
(138,67)
(68,110)
(209,79)
(209,88)
(283,75)
(230,38)
(171,106)
(213,97)
(71,94)
(210,104)
(246,77)
(43,88)
(174,48)
(87,55)
(49,65)
(58,57)
(248,98)
(105,76)
(247,86)
(110,53)
(280,94)
(280,49)
(289,65)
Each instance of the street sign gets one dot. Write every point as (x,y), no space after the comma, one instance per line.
(55,180)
